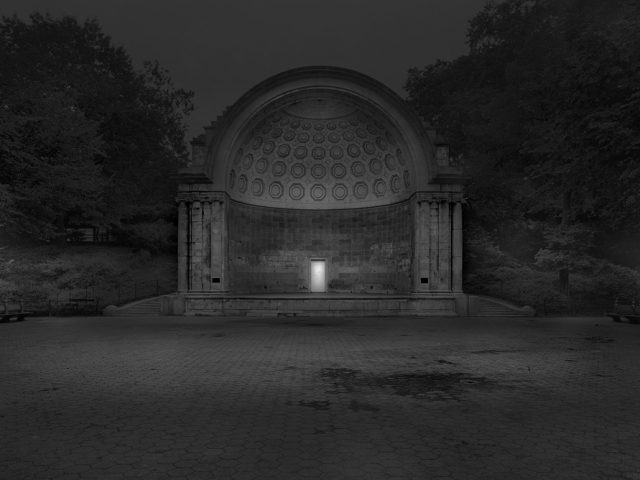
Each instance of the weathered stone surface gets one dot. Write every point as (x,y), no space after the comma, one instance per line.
(366,250)
(318,163)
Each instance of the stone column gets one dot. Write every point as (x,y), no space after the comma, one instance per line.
(456,245)
(183,247)
(421,243)
(196,246)
(434,253)
(206,245)
(444,247)
(219,245)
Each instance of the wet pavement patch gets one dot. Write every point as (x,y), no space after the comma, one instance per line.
(481,352)
(315,404)
(428,385)
(339,373)
(343,379)
(599,339)
(436,385)
(357,406)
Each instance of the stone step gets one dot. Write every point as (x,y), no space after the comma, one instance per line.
(496,308)
(147,307)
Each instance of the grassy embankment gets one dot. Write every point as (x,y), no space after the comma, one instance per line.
(52,275)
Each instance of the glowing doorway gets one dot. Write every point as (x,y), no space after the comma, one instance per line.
(318,276)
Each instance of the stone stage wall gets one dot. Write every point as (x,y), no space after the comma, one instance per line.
(366,249)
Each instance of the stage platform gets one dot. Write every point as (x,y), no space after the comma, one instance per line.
(321,304)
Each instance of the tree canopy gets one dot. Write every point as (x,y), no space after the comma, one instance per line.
(84,136)
(545,109)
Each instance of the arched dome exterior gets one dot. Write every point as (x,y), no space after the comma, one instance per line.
(318,137)
(318,168)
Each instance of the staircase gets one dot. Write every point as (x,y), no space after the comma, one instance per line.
(492,307)
(146,307)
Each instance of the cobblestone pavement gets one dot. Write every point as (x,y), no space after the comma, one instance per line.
(287,398)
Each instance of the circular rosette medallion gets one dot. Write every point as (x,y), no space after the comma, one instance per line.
(338,170)
(382,143)
(318,192)
(379,187)
(300,152)
(256,143)
(276,132)
(298,170)
(395,183)
(268,147)
(357,169)
(318,153)
(279,168)
(400,157)
(261,165)
(242,183)
(336,152)
(390,161)
(289,135)
(334,137)
(318,171)
(339,191)
(360,190)
(375,166)
(276,190)
(303,137)
(257,187)
(247,161)
(296,191)
(283,150)
(369,148)
(353,150)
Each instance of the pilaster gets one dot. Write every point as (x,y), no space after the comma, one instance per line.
(183,247)
(196,247)
(202,240)
(456,244)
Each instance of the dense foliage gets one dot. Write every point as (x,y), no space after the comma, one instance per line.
(545,109)
(84,137)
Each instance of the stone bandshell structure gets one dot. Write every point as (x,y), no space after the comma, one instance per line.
(318,163)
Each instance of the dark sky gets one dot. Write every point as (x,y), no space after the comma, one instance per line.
(221,48)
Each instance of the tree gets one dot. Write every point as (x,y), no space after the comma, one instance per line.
(548,102)
(48,173)
(119,131)
(545,107)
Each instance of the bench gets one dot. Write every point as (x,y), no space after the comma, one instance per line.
(625,311)
(9,314)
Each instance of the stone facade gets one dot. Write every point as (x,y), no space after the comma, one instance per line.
(366,250)
(319,163)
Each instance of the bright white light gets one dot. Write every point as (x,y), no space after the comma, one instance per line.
(317,276)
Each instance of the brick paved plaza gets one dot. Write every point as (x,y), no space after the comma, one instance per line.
(290,398)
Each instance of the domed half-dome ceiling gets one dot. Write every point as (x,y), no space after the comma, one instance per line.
(322,152)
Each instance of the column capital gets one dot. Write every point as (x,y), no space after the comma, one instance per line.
(210,197)
(448,197)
